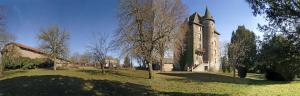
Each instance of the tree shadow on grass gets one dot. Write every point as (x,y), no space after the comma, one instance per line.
(191,94)
(266,82)
(91,72)
(114,72)
(57,85)
(14,72)
(209,77)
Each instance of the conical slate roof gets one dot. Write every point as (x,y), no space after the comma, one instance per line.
(207,14)
(195,18)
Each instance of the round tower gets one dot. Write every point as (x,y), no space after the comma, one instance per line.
(209,26)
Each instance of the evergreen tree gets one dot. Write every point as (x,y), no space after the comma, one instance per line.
(127,62)
(283,17)
(281,14)
(280,58)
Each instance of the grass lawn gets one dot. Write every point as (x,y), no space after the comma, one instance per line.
(90,82)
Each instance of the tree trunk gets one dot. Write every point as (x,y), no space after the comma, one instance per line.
(54,63)
(161,65)
(110,66)
(144,64)
(150,71)
(131,66)
(1,65)
(102,68)
(233,72)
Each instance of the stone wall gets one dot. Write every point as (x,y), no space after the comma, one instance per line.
(168,67)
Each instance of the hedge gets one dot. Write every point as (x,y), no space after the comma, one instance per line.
(26,63)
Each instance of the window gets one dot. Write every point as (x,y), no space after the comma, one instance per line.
(215,60)
(206,68)
(215,52)
(214,43)
(200,37)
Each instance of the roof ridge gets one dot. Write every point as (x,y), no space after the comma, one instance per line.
(33,49)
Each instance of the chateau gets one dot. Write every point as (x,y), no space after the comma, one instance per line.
(202,52)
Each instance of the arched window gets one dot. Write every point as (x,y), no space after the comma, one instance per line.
(215,60)
(215,43)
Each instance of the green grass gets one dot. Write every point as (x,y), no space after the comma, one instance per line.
(90,82)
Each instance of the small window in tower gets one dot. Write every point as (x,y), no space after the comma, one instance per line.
(215,60)
(200,37)
(215,43)
(206,68)
(215,52)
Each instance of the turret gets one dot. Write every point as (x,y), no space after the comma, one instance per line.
(208,23)
(208,16)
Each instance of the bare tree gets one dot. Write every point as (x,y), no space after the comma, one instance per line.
(54,42)
(100,48)
(75,58)
(136,29)
(224,57)
(5,37)
(86,58)
(146,25)
(180,44)
(168,17)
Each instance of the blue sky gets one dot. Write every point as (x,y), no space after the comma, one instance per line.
(25,18)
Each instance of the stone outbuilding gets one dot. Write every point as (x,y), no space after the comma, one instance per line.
(32,53)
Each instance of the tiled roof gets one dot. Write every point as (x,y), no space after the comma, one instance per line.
(27,48)
(195,18)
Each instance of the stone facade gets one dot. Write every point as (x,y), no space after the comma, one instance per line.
(168,64)
(202,48)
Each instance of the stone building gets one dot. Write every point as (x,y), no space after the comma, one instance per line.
(168,64)
(111,62)
(32,53)
(202,51)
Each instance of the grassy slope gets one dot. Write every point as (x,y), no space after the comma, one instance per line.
(124,82)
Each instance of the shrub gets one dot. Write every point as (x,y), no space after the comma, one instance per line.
(242,72)
(26,63)
(276,76)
